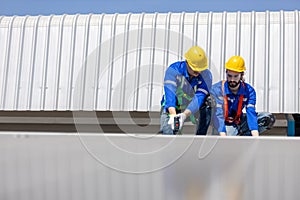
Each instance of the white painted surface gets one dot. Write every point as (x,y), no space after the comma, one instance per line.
(86,166)
(117,61)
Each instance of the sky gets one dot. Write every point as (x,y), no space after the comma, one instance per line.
(58,7)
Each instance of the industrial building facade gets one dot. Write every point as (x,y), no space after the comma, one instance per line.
(116,62)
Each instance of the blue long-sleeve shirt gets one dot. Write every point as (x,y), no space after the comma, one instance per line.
(196,87)
(249,102)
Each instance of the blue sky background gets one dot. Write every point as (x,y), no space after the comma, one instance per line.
(47,7)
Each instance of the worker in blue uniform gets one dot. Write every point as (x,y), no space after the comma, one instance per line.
(186,93)
(231,97)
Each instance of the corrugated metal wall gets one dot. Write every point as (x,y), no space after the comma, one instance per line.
(116,62)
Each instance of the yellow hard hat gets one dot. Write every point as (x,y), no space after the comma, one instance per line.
(196,59)
(236,63)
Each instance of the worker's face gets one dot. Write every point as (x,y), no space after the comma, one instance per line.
(233,78)
(192,72)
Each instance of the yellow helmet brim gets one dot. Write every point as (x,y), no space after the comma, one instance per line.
(198,69)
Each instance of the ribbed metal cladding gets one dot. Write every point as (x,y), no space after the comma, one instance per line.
(117,61)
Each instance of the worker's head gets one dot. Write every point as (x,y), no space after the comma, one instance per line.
(235,68)
(196,60)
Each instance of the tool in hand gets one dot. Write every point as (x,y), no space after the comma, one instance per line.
(176,125)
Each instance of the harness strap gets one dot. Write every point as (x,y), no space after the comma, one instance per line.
(180,94)
(237,118)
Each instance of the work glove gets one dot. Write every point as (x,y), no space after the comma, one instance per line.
(182,118)
(171,121)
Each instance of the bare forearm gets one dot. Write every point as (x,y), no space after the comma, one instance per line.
(172,110)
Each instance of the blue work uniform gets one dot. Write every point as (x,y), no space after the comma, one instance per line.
(183,92)
(249,101)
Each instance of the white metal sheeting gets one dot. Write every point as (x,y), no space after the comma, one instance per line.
(117,61)
(103,166)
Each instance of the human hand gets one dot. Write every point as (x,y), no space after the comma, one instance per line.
(255,133)
(222,134)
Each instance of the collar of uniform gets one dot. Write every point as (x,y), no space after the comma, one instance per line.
(186,74)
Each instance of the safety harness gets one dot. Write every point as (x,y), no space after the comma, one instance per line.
(237,118)
(180,94)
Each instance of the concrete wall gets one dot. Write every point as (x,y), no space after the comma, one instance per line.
(81,166)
